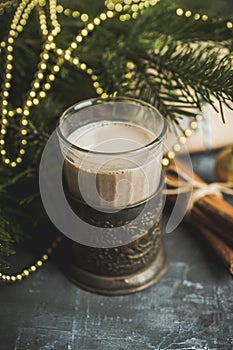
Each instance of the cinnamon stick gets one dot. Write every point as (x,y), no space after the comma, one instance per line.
(198,215)
(220,222)
(213,205)
(222,250)
(212,215)
(211,209)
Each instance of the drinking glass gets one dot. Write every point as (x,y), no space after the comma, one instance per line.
(113,181)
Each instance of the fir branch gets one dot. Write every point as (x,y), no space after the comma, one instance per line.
(182,28)
(5,241)
(175,77)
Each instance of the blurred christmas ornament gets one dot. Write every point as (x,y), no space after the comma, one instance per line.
(224,164)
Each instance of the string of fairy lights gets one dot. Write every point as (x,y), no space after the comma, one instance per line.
(44,77)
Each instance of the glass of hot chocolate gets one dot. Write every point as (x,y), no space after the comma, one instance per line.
(112,178)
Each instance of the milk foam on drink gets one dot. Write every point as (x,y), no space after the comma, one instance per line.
(113,173)
(111,137)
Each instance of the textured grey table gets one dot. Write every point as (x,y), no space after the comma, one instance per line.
(190,308)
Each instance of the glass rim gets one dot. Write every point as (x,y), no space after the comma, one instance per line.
(78,106)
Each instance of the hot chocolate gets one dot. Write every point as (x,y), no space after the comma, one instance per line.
(112,151)
(113,174)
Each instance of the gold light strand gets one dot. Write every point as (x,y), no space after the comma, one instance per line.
(89,28)
(34,95)
(53,17)
(7,6)
(197,16)
(79,39)
(182,139)
(113,9)
(229,24)
(188,13)
(32,98)
(33,268)
(43,22)
(16,27)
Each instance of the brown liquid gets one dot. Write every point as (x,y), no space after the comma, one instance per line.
(112,179)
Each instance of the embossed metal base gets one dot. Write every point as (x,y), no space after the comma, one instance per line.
(120,285)
(112,268)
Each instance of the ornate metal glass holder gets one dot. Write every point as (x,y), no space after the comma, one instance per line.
(119,248)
